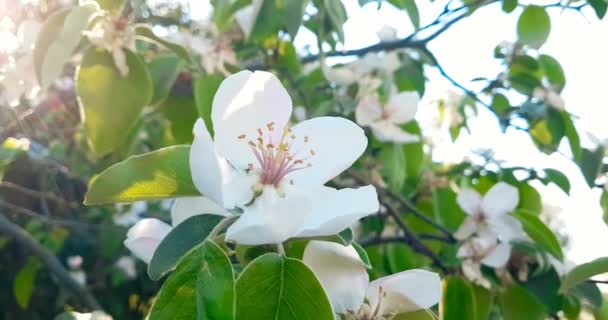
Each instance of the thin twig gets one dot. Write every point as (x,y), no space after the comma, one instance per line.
(39,194)
(46,219)
(50,261)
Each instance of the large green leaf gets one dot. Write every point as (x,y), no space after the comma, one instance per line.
(446,210)
(111,103)
(416,315)
(178,298)
(529,199)
(539,232)
(599,6)
(23,286)
(280,288)
(144,32)
(553,70)
(337,15)
(160,174)
(559,178)
(533,26)
(180,111)
(58,39)
(164,70)
(205,88)
(180,240)
(572,135)
(518,303)
(591,164)
(483,302)
(394,165)
(215,285)
(583,272)
(545,287)
(604,205)
(458,301)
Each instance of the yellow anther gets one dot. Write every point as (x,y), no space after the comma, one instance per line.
(260,133)
(312,152)
(306,139)
(298,161)
(270,146)
(243,136)
(251,143)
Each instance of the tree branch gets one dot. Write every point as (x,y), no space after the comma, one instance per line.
(50,261)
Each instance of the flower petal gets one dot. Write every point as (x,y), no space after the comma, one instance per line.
(368,110)
(245,102)
(466,229)
(469,200)
(271,219)
(341,273)
(184,208)
(336,144)
(246,16)
(389,132)
(212,175)
(506,227)
(500,199)
(498,257)
(145,236)
(405,291)
(402,107)
(335,210)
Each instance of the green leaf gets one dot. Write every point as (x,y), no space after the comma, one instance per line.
(559,178)
(447,211)
(111,103)
(533,26)
(591,164)
(58,39)
(393,165)
(604,205)
(294,12)
(144,32)
(416,315)
(483,302)
(24,282)
(164,70)
(337,16)
(553,71)
(583,272)
(410,77)
(280,288)
(518,303)
(267,22)
(362,255)
(509,5)
(529,199)
(160,174)
(458,301)
(540,233)
(181,112)
(178,298)
(500,103)
(205,88)
(545,287)
(215,285)
(572,136)
(412,11)
(599,6)
(180,240)
(590,294)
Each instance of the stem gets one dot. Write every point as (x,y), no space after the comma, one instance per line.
(281,249)
(221,226)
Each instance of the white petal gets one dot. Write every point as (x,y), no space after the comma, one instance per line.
(406,291)
(343,75)
(466,229)
(500,199)
(469,200)
(402,106)
(388,132)
(145,236)
(506,227)
(212,175)
(498,257)
(341,273)
(184,208)
(245,102)
(336,143)
(246,16)
(335,210)
(387,33)
(27,33)
(472,271)
(271,219)
(368,110)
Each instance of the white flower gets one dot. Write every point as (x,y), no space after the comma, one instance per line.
(346,282)
(387,33)
(144,237)
(488,216)
(114,34)
(127,265)
(74,262)
(363,69)
(551,97)
(95,315)
(482,250)
(384,120)
(132,215)
(274,174)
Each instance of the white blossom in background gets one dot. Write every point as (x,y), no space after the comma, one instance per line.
(132,215)
(551,97)
(76,272)
(95,315)
(345,280)
(488,229)
(385,118)
(17,73)
(126,264)
(272,173)
(366,72)
(115,35)
(387,33)
(144,237)
(451,117)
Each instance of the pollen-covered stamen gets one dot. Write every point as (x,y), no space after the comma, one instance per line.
(276,160)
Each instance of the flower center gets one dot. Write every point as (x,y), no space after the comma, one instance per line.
(275,161)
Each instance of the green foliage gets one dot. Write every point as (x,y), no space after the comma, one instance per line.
(540,233)
(458,299)
(164,70)
(144,32)
(215,285)
(591,163)
(205,87)
(518,303)
(284,282)
(23,286)
(583,272)
(164,173)
(533,26)
(180,240)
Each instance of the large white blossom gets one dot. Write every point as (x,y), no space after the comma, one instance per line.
(346,282)
(385,118)
(273,174)
(115,35)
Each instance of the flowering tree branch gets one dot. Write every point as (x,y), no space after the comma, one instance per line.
(50,261)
